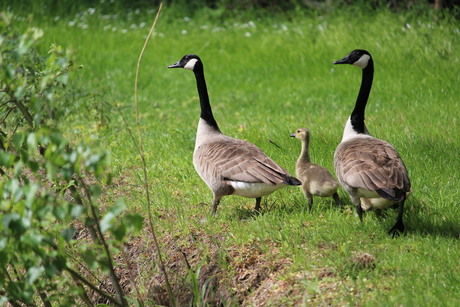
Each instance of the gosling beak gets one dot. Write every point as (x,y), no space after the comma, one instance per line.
(292,135)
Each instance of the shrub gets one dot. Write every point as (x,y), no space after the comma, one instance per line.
(49,187)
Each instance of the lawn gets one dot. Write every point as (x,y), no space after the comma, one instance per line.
(266,77)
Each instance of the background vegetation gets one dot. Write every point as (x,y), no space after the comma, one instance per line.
(73,199)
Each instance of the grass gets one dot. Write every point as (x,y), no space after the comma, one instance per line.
(266,77)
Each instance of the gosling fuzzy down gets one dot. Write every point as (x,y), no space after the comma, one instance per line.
(316,180)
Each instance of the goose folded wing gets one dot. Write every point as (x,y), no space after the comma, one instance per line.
(373,165)
(242,161)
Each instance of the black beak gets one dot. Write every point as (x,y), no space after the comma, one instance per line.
(292,135)
(343,61)
(176,65)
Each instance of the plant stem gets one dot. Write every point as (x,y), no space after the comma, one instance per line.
(144,165)
(91,286)
(113,275)
(24,111)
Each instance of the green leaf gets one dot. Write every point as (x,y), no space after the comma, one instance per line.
(34,273)
(77,211)
(68,233)
(119,232)
(6,159)
(107,221)
(118,207)
(3,242)
(133,222)
(32,239)
(8,218)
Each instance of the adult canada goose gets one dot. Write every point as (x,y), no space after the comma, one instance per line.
(316,180)
(228,165)
(370,169)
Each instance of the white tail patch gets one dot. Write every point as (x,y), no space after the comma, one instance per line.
(254,189)
(191,64)
(363,61)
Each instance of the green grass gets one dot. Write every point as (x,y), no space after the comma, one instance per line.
(267,77)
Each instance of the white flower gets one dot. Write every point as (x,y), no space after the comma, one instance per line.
(124,31)
(71,23)
(184,32)
(133,26)
(247,34)
(186,19)
(91,10)
(142,24)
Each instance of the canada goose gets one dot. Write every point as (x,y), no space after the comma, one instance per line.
(316,180)
(228,165)
(370,169)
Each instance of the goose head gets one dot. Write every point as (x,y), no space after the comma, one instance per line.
(301,134)
(188,61)
(358,57)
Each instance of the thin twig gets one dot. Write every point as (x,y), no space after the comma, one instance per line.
(83,295)
(144,165)
(113,275)
(25,112)
(92,287)
(44,299)
(6,116)
(140,301)
(271,141)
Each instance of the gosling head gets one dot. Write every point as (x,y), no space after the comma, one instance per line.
(301,134)
(188,61)
(358,57)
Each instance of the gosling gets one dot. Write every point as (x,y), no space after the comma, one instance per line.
(316,180)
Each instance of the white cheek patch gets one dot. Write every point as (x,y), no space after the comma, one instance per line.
(363,61)
(191,64)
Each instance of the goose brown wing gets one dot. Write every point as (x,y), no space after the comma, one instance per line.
(238,160)
(374,165)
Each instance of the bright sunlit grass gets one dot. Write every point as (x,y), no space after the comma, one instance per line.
(267,77)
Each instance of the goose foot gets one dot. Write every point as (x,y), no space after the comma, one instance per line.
(398,228)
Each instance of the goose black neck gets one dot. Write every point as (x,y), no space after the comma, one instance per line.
(206,111)
(357,116)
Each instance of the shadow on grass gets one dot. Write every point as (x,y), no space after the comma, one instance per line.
(446,228)
(286,208)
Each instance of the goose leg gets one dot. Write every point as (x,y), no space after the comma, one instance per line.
(359,210)
(257,208)
(399,226)
(357,203)
(215,203)
(337,199)
(310,201)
